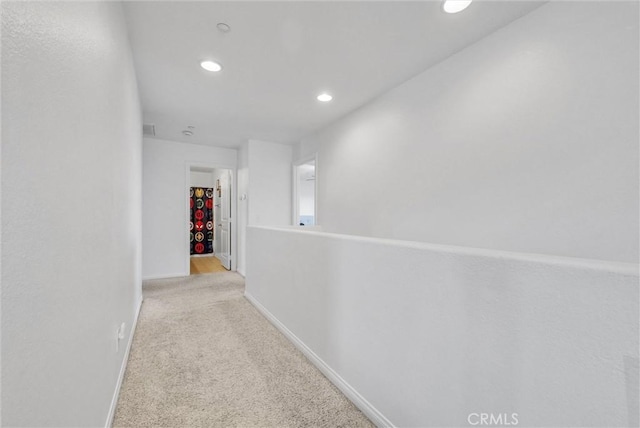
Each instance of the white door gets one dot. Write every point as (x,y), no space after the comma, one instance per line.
(223,227)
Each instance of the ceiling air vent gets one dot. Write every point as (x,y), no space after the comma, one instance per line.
(148,129)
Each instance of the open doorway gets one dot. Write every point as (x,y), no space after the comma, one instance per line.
(209,220)
(304,178)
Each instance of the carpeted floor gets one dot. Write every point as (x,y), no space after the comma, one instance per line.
(203,356)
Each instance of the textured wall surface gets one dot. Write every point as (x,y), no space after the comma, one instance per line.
(525,141)
(71,174)
(429,334)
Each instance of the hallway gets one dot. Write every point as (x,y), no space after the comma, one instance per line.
(475,200)
(202,355)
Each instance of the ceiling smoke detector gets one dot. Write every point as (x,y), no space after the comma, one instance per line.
(223,28)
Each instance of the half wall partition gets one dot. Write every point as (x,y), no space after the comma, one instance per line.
(432,335)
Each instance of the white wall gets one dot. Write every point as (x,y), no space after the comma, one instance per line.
(422,335)
(243,205)
(306,191)
(202,179)
(164,184)
(525,141)
(71,174)
(269,183)
(265,177)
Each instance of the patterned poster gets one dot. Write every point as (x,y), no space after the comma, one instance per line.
(201,225)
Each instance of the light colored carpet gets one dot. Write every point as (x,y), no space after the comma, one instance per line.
(203,356)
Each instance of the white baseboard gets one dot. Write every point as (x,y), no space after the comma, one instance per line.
(170,275)
(123,369)
(361,403)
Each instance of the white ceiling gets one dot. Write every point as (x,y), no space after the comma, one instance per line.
(280,55)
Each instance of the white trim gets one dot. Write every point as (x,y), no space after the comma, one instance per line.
(360,402)
(165,276)
(123,369)
(623,268)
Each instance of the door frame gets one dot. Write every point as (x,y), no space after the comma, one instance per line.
(222,220)
(187,210)
(294,188)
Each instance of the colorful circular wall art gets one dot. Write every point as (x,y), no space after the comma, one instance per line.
(201,203)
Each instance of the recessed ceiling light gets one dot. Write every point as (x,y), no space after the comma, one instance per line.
(455,6)
(324,97)
(210,66)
